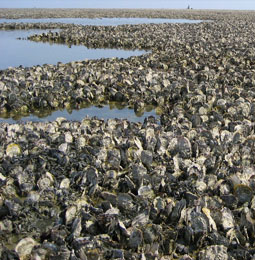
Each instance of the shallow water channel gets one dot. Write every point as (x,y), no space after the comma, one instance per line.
(16,52)
(100,21)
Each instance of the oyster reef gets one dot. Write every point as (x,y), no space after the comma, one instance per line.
(115,189)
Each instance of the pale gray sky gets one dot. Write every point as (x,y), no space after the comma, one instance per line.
(196,4)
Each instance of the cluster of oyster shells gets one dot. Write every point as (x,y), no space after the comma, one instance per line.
(113,189)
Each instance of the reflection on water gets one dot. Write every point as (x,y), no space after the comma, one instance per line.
(114,110)
(100,21)
(28,53)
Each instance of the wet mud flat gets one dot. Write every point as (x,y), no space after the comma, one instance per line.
(114,189)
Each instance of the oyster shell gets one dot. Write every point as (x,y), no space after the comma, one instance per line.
(13,150)
(25,247)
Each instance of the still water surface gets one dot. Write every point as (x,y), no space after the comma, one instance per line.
(28,53)
(16,52)
(105,113)
(100,21)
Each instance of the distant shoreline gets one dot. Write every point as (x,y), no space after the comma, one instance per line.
(19,13)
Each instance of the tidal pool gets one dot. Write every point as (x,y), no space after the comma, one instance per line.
(100,21)
(105,112)
(16,52)
(27,53)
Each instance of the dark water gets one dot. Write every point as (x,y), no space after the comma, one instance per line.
(16,52)
(100,21)
(106,112)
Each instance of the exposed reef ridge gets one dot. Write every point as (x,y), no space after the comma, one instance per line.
(183,189)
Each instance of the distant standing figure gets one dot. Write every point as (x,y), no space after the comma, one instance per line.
(188,7)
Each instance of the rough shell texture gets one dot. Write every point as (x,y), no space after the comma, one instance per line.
(95,189)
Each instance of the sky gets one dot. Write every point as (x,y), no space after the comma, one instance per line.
(166,4)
